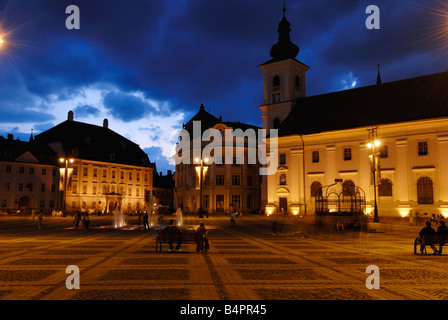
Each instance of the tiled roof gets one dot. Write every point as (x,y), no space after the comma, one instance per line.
(90,142)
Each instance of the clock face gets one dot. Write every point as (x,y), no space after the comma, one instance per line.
(276,97)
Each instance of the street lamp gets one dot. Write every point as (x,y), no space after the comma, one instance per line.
(66,160)
(373,145)
(201,170)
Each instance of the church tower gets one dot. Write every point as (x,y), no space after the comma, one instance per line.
(284,78)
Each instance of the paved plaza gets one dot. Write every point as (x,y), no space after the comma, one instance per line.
(245,262)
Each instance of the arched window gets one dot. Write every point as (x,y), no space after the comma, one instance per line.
(276,123)
(385,188)
(276,83)
(316,189)
(348,188)
(425,191)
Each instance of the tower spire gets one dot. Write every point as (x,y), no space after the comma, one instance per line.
(284,48)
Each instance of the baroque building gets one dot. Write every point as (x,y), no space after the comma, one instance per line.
(107,171)
(330,137)
(225,185)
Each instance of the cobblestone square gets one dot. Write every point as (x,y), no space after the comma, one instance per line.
(245,262)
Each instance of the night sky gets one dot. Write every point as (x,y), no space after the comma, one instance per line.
(147,65)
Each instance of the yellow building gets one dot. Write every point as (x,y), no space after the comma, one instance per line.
(108,170)
(331,136)
(224,185)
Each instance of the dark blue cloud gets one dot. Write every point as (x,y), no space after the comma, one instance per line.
(126,107)
(86,110)
(202,51)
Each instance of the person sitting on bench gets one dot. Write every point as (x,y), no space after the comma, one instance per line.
(442,229)
(427,230)
(172,228)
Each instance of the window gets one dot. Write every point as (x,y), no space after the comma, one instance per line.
(130,175)
(51,203)
(236,201)
(31,170)
(21,170)
(219,179)
(249,202)
(94,190)
(8,169)
(347,154)
(53,188)
(95,172)
(74,186)
(205,201)
(104,173)
(276,83)
(75,170)
(113,174)
(282,159)
(44,172)
(236,162)
(42,203)
(315,156)
(423,148)
(20,186)
(29,186)
(55,172)
(316,189)
(283,179)
(85,172)
(297,83)
(384,151)
(236,180)
(84,189)
(425,191)
(250,180)
(385,188)
(7,186)
(42,187)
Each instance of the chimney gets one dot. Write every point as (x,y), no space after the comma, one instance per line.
(170,172)
(70,116)
(10,136)
(106,124)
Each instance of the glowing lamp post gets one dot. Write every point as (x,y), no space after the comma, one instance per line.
(374,145)
(66,161)
(201,170)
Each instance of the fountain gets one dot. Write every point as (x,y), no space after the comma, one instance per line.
(179,217)
(118,218)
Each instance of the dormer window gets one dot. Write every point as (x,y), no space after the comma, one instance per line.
(276,83)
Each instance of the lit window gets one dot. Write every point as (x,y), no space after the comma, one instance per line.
(425,191)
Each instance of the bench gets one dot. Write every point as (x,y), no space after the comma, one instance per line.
(429,239)
(184,237)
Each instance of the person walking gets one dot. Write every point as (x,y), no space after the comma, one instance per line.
(86,220)
(145,221)
(40,217)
